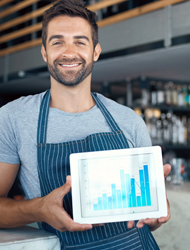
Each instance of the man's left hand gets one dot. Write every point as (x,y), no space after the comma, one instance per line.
(154,223)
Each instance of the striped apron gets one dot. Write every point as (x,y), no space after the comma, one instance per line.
(54,166)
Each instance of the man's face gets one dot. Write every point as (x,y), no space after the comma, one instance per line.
(69,50)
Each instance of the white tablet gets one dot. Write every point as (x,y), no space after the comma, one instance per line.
(118,185)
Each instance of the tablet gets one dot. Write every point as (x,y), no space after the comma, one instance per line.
(118,185)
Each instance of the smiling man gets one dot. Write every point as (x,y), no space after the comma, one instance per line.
(38,134)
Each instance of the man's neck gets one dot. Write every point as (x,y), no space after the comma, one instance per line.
(73,99)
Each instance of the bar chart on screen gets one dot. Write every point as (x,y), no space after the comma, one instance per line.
(133,192)
(119,185)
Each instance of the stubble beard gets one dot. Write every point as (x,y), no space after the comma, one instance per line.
(72,78)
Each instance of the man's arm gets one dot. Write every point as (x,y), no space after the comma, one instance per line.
(48,209)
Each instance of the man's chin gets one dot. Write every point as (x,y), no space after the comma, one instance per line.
(69,83)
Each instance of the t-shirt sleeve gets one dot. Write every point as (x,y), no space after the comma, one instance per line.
(142,135)
(8,145)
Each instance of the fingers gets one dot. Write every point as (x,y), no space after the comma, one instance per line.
(140,224)
(99,225)
(130,224)
(65,223)
(153,223)
(73,226)
(167,169)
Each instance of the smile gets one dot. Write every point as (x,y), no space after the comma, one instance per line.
(70,65)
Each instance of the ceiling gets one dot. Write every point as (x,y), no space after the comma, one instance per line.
(169,63)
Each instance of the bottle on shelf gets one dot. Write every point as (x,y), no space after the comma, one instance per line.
(145,94)
(185,125)
(153,93)
(169,129)
(165,128)
(181,131)
(168,94)
(160,93)
(180,97)
(174,95)
(185,95)
(188,94)
(188,130)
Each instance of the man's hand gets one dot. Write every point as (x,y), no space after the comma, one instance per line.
(154,223)
(53,213)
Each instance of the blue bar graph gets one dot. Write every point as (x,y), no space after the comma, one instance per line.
(147,186)
(128,190)
(119,204)
(110,206)
(133,191)
(114,198)
(100,203)
(123,189)
(105,201)
(95,207)
(142,186)
(138,201)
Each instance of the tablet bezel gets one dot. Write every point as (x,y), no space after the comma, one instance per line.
(159,181)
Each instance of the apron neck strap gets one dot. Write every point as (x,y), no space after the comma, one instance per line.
(43,118)
(109,118)
(44,111)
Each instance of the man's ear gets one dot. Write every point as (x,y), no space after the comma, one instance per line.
(43,52)
(97,52)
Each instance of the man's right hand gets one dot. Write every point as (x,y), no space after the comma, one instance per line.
(52,212)
(48,209)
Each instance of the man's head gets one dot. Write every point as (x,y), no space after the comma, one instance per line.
(70,42)
(72,8)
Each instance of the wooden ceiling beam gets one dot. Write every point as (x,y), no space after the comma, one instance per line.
(17,7)
(137,12)
(4,2)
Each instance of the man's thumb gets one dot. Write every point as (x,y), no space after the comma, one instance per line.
(66,188)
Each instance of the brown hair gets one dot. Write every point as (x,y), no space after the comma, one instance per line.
(72,8)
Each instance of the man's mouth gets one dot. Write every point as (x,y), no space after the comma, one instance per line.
(70,65)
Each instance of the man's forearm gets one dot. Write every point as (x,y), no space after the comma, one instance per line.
(18,213)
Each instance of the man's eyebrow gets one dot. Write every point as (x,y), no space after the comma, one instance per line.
(81,37)
(61,37)
(55,37)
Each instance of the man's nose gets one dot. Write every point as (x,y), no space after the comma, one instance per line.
(69,51)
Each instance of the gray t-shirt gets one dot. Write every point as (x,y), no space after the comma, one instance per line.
(18,132)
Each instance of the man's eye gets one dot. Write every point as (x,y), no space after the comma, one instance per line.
(56,43)
(81,43)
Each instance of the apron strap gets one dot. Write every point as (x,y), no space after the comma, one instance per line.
(44,111)
(109,118)
(43,117)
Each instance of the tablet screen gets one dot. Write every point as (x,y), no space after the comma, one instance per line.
(116,185)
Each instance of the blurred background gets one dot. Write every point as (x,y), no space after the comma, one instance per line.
(144,64)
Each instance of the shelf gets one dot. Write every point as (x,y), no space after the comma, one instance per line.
(175,147)
(181,151)
(163,108)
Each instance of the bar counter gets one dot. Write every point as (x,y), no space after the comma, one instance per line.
(29,238)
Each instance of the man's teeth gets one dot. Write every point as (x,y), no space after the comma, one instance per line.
(70,65)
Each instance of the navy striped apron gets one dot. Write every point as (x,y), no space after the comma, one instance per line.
(54,166)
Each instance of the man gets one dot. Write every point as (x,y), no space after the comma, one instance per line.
(38,133)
